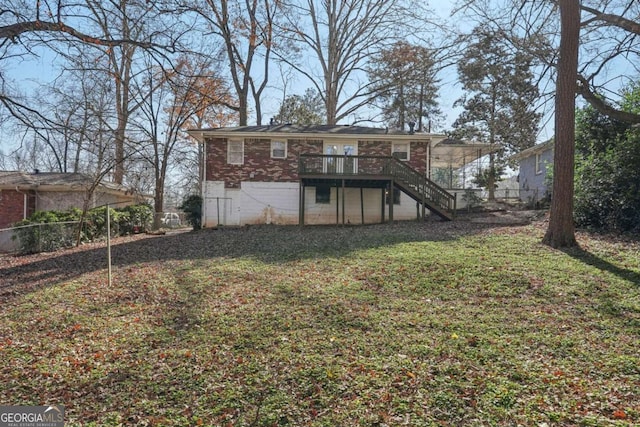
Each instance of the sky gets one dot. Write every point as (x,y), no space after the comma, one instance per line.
(34,70)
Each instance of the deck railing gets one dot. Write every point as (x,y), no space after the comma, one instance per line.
(412,182)
(329,164)
(421,185)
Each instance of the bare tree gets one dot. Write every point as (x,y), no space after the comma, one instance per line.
(341,36)
(26,26)
(191,90)
(246,29)
(133,21)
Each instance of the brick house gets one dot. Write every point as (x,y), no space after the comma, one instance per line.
(21,194)
(286,174)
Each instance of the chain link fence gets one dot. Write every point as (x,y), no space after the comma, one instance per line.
(43,237)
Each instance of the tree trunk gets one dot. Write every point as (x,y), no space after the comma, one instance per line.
(561,230)
(158,206)
(491,180)
(118,175)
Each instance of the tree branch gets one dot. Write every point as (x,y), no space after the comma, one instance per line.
(614,20)
(13,31)
(600,105)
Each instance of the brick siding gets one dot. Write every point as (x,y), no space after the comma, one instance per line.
(259,166)
(11,207)
(257,161)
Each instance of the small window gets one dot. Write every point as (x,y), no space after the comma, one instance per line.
(278,150)
(400,151)
(538,164)
(323,194)
(235,152)
(396,196)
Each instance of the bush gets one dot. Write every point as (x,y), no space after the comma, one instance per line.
(192,206)
(607,184)
(608,189)
(47,231)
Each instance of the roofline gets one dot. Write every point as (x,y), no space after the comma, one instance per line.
(200,134)
(538,148)
(68,188)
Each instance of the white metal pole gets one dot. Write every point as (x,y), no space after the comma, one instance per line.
(108,245)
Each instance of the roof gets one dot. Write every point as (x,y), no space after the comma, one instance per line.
(306,131)
(536,149)
(54,181)
(453,153)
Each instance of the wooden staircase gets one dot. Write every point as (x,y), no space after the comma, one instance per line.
(421,189)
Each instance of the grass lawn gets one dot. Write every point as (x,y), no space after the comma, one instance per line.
(329,326)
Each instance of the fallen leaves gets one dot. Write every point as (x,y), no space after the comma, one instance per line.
(339,326)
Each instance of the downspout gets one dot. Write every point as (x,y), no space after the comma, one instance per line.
(25,202)
(428,171)
(203,184)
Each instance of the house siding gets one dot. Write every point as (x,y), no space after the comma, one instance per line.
(278,203)
(258,166)
(532,184)
(263,190)
(11,207)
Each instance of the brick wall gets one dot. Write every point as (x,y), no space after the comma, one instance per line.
(258,164)
(418,156)
(11,207)
(374,148)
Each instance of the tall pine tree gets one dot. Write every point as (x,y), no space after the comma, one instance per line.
(405,76)
(499,100)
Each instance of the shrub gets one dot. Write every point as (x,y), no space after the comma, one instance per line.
(46,231)
(607,184)
(192,206)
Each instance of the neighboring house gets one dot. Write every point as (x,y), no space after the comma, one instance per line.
(507,188)
(21,194)
(286,174)
(533,171)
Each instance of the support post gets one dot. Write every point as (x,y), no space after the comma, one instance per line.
(108,246)
(391,188)
(343,200)
(301,205)
(362,205)
(383,207)
(337,204)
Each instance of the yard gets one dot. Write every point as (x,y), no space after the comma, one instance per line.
(461,323)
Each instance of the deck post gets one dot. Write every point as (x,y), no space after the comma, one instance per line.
(343,200)
(382,212)
(362,204)
(391,188)
(337,204)
(301,205)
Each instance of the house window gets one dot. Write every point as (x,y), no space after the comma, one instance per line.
(396,196)
(278,150)
(235,152)
(400,151)
(539,164)
(323,194)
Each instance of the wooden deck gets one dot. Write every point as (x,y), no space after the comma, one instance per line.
(374,172)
